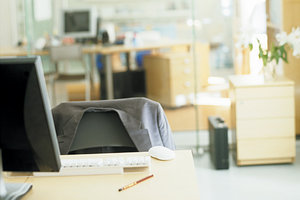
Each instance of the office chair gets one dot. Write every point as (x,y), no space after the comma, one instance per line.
(65,53)
(80,125)
(101,132)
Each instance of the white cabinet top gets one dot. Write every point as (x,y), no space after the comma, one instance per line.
(257,81)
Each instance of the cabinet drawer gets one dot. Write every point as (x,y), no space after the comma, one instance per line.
(184,86)
(265,148)
(264,92)
(181,61)
(176,72)
(265,128)
(265,108)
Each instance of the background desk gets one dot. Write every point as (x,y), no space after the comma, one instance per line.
(172,180)
(16,51)
(106,52)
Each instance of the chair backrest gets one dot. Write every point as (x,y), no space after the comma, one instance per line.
(65,52)
(101,132)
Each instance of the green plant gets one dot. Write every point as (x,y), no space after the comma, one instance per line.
(276,53)
(279,51)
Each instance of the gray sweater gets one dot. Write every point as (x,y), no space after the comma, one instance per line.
(143,119)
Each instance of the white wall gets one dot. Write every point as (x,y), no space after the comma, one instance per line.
(8,23)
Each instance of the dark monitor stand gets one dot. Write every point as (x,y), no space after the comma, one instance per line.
(28,140)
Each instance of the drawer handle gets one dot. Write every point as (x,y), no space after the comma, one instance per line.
(187,70)
(186,61)
(187,84)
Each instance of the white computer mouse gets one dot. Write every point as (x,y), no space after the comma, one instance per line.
(161,153)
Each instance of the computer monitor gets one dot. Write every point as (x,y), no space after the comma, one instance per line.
(79,23)
(28,140)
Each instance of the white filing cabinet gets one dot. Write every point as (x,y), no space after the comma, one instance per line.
(263,120)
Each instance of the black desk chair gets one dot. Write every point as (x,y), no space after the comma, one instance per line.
(101,132)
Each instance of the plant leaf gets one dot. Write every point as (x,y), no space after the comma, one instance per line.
(250,46)
(283,53)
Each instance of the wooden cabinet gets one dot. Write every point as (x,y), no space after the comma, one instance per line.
(263,120)
(170,78)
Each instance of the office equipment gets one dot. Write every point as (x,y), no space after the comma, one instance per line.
(62,54)
(79,23)
(28,139)
(263,120)
(135,183)
(169,183)
(108,33)
(218,142)
(94,165)
(161,153)
(101,132)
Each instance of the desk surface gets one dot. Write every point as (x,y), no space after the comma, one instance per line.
(174,179)
(17,51)
(105,50)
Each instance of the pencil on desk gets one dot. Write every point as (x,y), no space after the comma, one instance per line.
(134,183)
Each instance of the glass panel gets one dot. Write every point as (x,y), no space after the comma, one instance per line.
(176,52)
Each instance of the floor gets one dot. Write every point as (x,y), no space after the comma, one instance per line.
(276,182)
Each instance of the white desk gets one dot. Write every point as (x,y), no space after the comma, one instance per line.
(172,180)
